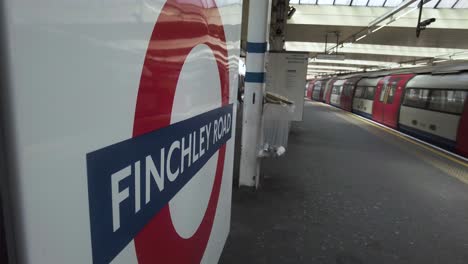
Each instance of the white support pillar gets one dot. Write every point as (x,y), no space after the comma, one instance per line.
(253,93)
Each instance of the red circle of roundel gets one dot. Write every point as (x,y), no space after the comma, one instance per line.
(181,25)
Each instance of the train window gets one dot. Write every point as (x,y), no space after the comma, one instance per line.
(317,87)
(359,92)
(347,90)
(337,89)
(448,101)
(416,97)
(438,100)
(391,93)
(383,92)
(350,90)
(370,93)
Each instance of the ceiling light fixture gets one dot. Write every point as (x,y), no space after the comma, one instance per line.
(379,28)
(361,37)
(389,16)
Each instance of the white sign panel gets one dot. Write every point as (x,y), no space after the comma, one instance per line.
(286,76)
(120,120)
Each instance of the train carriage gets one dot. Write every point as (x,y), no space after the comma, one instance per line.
(434,109)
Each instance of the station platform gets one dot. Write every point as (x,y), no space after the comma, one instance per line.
(348,192)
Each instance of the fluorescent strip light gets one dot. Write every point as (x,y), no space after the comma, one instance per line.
(332,67)
(361,37)
(379,28)
(440,60)
(353,62)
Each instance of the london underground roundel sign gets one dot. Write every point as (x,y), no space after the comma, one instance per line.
(131,183)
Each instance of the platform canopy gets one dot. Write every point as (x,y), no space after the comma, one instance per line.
(382,3)
(389,43)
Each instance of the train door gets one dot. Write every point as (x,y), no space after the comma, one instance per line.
(312,88)
(392,103)
(378,105)
(347,95)
(316,91)
(326,86)
(310,85)
(462,139)
(342,99)
(329,91)
(328,94)
(393,97)
(322,89)
(389,99)
(340,94)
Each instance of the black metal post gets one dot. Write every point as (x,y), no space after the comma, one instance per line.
(418,26)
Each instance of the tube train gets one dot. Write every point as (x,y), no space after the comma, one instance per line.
(428,103)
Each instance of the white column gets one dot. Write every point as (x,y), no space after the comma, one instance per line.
(253,93)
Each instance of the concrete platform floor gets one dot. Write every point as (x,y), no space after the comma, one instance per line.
(347,193)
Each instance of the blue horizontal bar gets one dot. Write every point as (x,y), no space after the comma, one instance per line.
(362,113)
(255,77)
(256,47)
(430,138)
